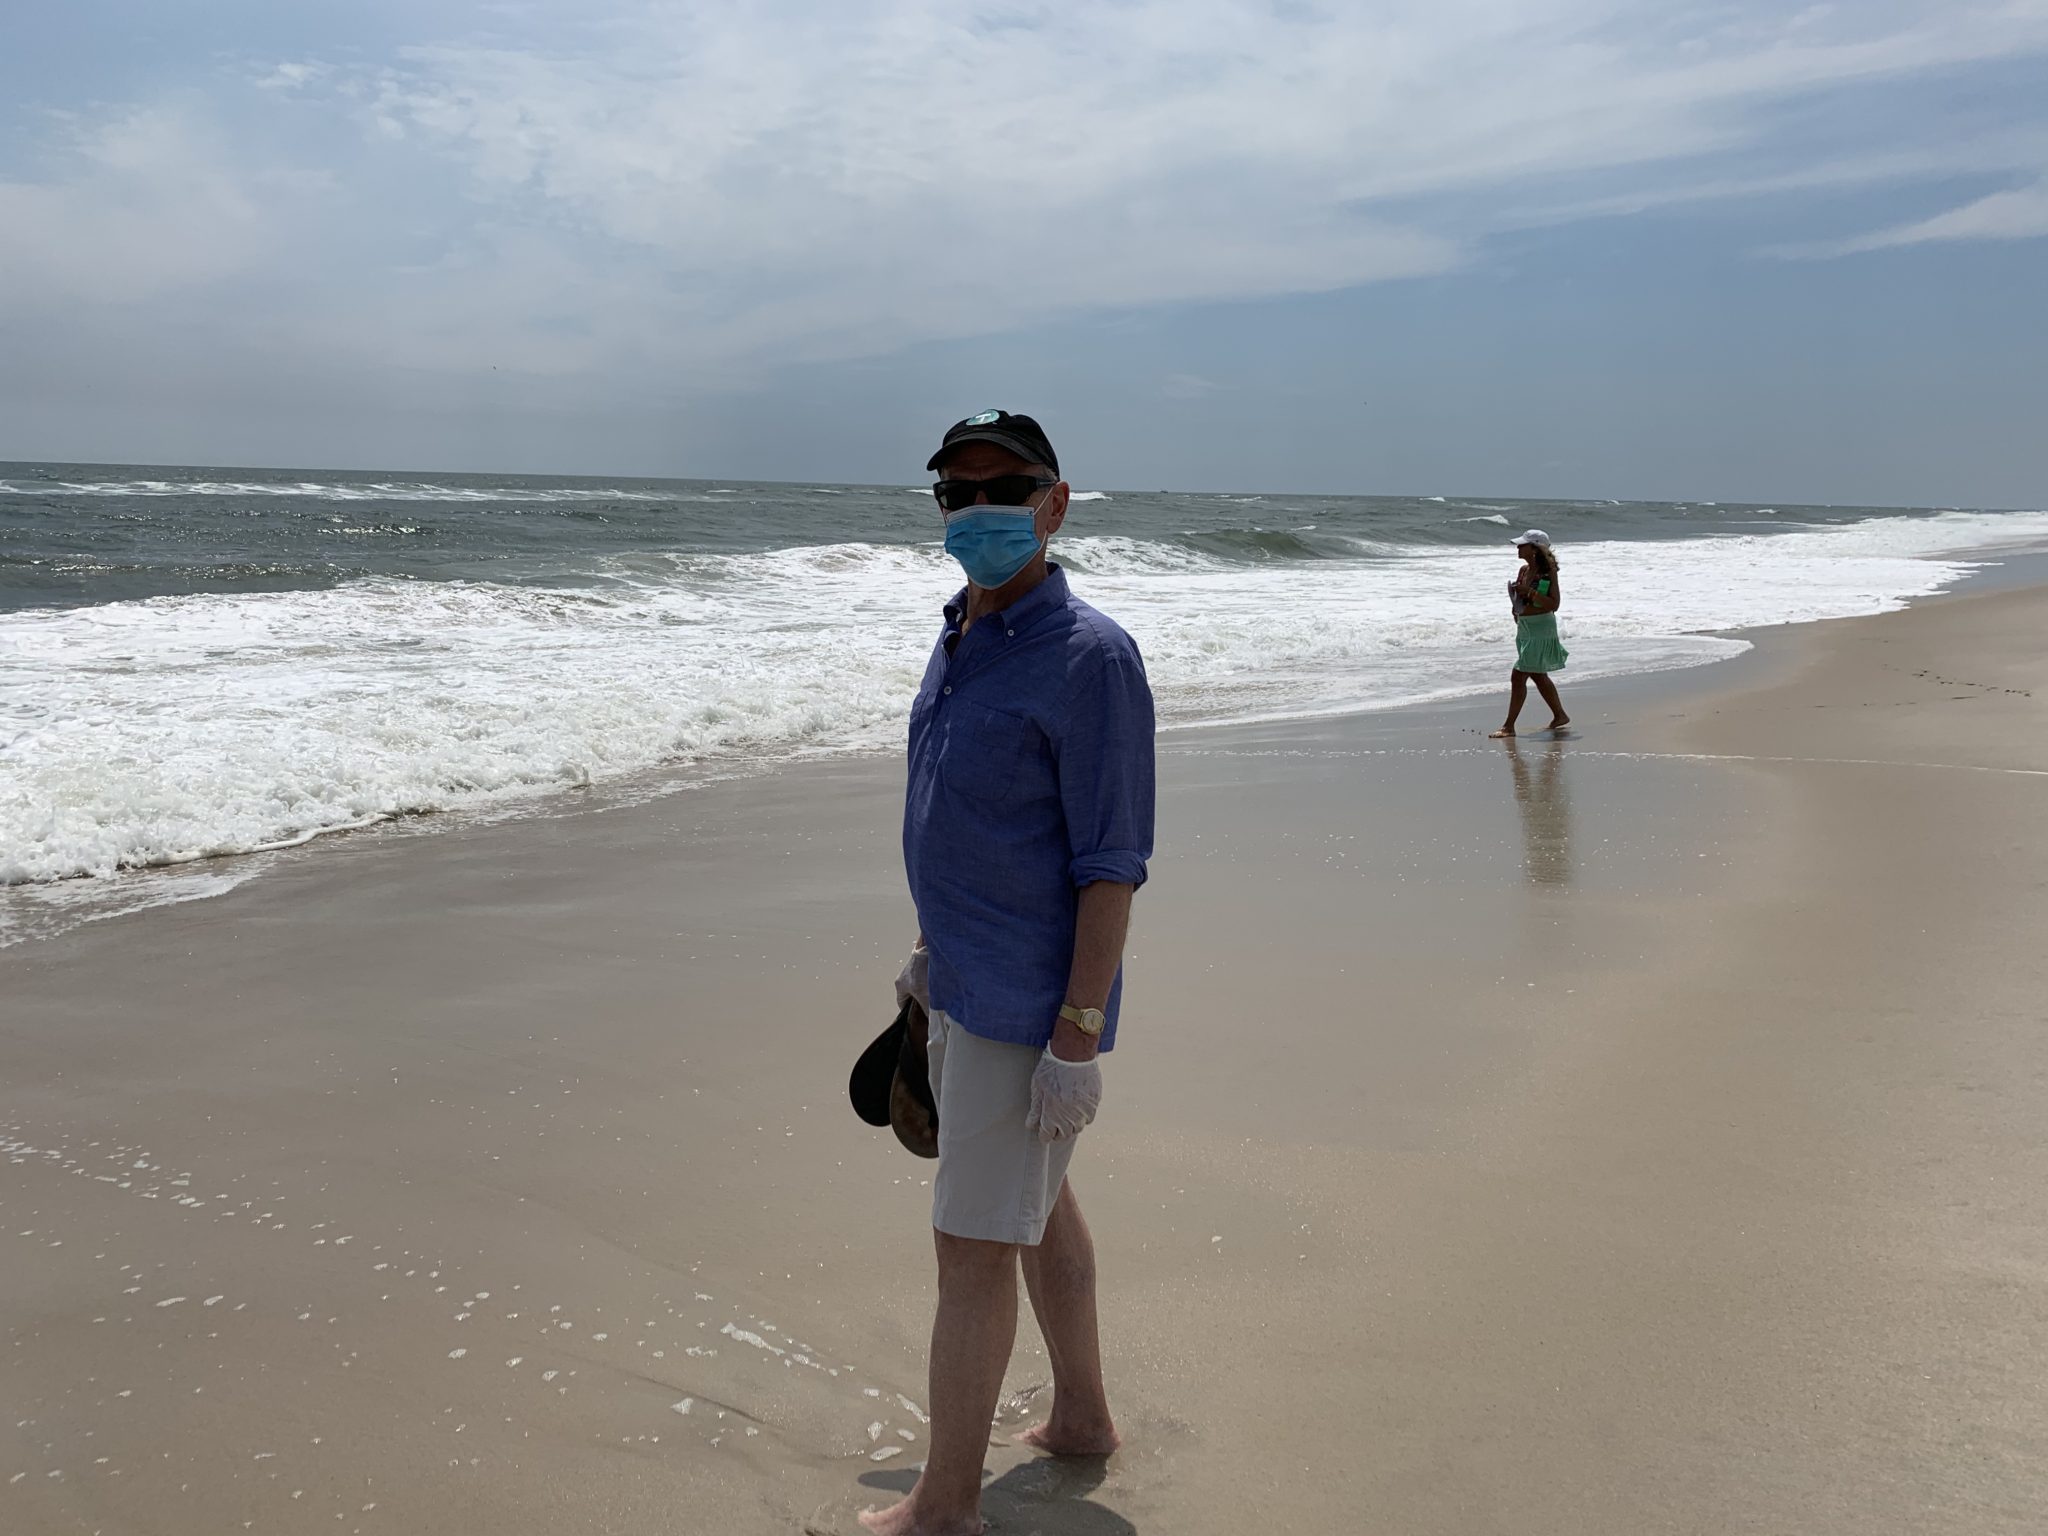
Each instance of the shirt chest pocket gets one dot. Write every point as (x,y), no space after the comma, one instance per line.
(921,714)
(985,750)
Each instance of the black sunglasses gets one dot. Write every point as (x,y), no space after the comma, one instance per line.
(1001,490)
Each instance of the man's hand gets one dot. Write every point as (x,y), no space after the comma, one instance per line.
(1064,1097)
(914,979)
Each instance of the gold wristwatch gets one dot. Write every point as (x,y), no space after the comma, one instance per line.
(1087,1020)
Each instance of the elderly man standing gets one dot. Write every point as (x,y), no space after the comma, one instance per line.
(1026,829)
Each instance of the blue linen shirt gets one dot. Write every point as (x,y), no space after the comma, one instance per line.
(1031,776)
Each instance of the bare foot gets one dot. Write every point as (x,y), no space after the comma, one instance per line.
(1500,735)
(1057,1439)
(1559,723)
(906,1519)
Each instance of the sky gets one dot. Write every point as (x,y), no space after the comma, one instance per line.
(1685,248)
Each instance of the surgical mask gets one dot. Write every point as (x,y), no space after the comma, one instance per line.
(992,544)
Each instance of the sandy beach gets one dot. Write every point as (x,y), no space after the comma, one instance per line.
(1636,1133)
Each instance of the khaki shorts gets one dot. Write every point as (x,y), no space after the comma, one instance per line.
(997,1181)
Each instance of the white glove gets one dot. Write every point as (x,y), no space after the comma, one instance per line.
(1064,1097)
(914,979)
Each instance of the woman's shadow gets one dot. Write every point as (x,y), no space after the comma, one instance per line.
(1546,812)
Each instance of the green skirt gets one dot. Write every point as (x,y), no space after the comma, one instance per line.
(1537,648)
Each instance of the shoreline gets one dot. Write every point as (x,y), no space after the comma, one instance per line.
(40,912)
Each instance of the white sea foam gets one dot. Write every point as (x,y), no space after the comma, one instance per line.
(151,733)
(317,490)
(38,911)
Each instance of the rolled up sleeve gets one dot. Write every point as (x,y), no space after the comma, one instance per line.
(1106,769)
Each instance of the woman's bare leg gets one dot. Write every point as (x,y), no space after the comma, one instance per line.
(1558,718)
(1518,694)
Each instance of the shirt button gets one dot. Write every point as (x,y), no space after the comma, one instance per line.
(1011,633)
(949,688)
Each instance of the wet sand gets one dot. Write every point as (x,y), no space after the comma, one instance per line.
(1635,1133)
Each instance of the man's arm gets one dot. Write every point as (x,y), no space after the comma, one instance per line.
(1100,925)
(1107,791)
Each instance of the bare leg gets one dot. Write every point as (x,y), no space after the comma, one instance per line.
(972,1335)
(1060,1276)
(1558,718)
(1518,695)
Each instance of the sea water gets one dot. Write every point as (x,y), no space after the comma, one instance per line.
(205,662)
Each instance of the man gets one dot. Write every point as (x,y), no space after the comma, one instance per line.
(1026,829)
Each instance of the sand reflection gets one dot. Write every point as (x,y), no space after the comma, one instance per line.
(1542,801)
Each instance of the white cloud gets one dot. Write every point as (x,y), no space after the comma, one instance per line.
(1977,155)
(2020,214)
(144,206)
(688,189)
(290,75)
(814,184)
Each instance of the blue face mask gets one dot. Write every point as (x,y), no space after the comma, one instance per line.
(992,544)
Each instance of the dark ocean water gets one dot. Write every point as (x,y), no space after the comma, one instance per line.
(77,534)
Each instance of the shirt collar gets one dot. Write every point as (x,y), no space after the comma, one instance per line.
(1042,599)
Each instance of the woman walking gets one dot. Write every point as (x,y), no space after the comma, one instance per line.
(1534,596)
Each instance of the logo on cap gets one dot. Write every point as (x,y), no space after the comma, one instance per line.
(983,419)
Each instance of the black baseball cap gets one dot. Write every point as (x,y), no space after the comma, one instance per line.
(891,1083)
(1020,434)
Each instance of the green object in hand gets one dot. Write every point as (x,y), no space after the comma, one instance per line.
(1543,587)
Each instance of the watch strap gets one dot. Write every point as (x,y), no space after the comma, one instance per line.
(1081,1017)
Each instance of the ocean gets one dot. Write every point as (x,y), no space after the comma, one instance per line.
(202,663)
